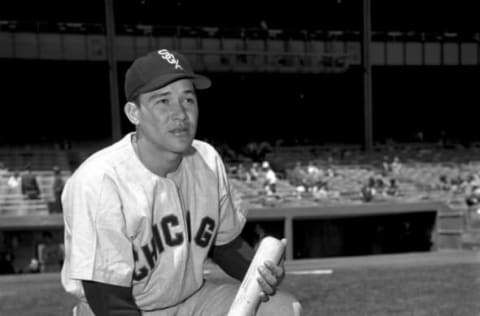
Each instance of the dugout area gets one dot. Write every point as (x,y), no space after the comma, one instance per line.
(359,230)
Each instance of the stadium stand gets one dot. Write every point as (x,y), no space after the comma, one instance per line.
(418,177)
(426,173)
(14,203)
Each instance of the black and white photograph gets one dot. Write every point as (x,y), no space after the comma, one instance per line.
(239,158)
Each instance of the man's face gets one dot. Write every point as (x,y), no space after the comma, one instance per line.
(168,116)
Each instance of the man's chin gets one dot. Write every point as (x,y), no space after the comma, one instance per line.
(182,147)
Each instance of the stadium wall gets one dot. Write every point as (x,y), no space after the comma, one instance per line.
(312,232)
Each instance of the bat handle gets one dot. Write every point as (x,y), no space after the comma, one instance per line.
(247,299)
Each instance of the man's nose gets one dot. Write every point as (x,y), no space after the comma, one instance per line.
(179,111)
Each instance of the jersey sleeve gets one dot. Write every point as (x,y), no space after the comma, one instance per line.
(100,249)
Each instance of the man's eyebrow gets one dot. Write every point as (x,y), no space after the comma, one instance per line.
(158,95)
(189,91)
(167,93)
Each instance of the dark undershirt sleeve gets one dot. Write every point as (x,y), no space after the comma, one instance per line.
(234,258)
(110,300)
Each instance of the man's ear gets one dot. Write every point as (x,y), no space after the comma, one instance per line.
(131,111)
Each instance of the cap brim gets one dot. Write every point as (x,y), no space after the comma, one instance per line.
(200,82)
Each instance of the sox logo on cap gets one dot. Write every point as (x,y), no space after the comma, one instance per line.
(170,58)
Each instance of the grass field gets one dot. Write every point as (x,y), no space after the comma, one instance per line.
(413,287)
(441,290)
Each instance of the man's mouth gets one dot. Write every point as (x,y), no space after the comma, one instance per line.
(179,131)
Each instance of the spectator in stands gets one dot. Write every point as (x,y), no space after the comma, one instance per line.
(320,192)
(392,188)
(457,184)
(386,167)
(58,185)
(299,190)
(254,171)
(473,181)
(313,179)
(270,183)
(312,168)
(380,186)
(444,183)
(242,173)
(472,200)
(14,183)
(30,186)
(473,195)
(396,165)
(368,190)
(329,167)
(330,173)
(297,175)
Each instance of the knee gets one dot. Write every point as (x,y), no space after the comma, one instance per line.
(281,304)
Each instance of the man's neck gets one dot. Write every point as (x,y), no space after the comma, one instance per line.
(156,160)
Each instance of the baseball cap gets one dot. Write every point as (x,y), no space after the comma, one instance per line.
(156,70)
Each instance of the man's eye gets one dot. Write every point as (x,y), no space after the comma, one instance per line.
(162,101)
(190,100)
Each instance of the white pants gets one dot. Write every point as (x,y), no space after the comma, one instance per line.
(214,299)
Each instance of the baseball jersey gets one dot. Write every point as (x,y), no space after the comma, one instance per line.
(127,226)
(270,176)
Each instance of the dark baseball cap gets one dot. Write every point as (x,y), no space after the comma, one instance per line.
(158,69)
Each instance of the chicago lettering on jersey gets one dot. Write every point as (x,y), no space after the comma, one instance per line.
(168,233)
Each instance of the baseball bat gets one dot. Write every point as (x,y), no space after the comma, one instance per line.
(247,299)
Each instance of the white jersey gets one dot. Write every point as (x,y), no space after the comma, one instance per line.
(126,226)
(271,177)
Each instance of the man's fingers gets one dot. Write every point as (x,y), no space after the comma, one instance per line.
(277,270)
(266,287)
(269,275)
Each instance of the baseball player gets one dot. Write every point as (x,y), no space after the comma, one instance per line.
(142,215)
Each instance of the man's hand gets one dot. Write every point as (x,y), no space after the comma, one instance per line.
(271,275)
